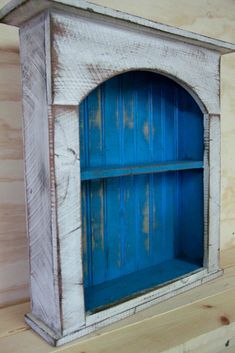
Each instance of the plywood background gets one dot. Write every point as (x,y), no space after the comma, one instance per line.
(215,18)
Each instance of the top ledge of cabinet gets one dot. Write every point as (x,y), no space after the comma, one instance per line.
(17,12)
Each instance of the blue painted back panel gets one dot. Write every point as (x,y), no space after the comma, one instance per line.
(134,222)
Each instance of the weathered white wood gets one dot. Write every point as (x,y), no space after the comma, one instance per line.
(214,193)
(122,311)
(67,179)
(52,175)
(206,184)
(18,11)
(87,52)
(38,174)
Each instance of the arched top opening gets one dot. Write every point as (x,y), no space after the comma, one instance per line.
(141,154)
(158,77)
(139,117)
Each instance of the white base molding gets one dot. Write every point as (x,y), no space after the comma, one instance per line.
(55,340)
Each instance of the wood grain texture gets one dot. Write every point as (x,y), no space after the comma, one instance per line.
(77,40)
(200,320)
(14,270)
(52,173)
(13,253)
(10,89)
(214,192)
(17,12)
(68,208)
(11,188)
(13,315)
(43,250)
(172,330)
(11,144)
(227,257)
(212,20)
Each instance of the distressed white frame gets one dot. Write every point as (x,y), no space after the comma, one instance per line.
(66,52)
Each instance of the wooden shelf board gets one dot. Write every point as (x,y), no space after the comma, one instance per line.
(200,320)
(109,172)
(109,292)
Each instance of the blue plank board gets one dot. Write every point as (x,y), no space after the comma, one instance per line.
(141,150)
(98,173)
(128,286)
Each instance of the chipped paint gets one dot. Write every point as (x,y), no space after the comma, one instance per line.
(146,131)
(145,224)
(128,119)
(98,115)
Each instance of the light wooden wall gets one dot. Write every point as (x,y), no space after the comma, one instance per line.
(13,245)
(213,18)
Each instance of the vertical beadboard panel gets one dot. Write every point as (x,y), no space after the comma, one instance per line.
(191,146)
(133,222)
